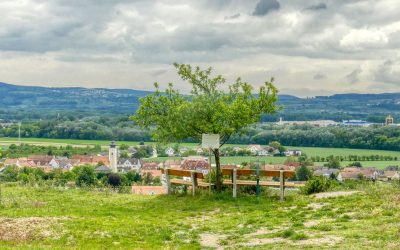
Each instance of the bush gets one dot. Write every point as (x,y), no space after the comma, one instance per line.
(114,180)
(317,185)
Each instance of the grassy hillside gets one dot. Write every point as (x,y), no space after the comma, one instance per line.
(33,218)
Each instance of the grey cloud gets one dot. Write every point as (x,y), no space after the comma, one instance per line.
(319,6)
(233,16)
(353,77)
(263,7)
(319,76)
(389,72)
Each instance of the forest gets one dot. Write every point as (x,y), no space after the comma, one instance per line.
(122,129)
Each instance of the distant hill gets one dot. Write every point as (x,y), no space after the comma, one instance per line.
(15,98)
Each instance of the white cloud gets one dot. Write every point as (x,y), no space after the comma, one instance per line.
(127,43)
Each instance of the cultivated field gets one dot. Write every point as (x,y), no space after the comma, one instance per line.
(38,218)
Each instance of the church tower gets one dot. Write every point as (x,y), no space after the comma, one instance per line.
(112,156)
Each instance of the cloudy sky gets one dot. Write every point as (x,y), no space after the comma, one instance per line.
(310,47)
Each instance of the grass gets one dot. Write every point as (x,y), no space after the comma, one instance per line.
(71,219)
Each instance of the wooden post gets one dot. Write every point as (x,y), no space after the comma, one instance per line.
(194,182)
(167,180)
(282,185)
(234,184)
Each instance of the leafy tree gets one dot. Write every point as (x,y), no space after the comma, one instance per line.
(277,145)
(333,163)
(355,164)
(124,147)
(303,173)
(86,176)
(114,180)
(209,110)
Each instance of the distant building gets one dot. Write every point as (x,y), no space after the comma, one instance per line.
(113,157)
(125,165)
(254,148)
(317,123)
(359,123)
(102,169)
(170,151)
(389,120)
(293,152)
(327,172)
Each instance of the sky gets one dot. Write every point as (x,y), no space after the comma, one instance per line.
(309,47)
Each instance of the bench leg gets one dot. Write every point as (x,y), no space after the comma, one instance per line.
(234,180)
(167,180)
(282,186)
(194,183)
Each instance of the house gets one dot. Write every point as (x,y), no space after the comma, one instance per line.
(391,175)
(91,159)
(197,163)
(150,166)
(20,162)
(254,148)
(199,151)
(61,163)
(102,169)
(170,151)
(132,151)
(172,163)
(293,152)
(264,152)
(41,160)
(125,165)
(326,172)
(353,173)
(154,172)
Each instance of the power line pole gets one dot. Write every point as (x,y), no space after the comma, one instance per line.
(19,133)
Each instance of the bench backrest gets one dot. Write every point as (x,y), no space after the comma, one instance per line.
(182,173)
(250,172)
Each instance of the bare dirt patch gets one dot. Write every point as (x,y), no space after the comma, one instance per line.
(260,242)
(335,194)
(211,240)
(29,228)
(316,206)
(262,231)
(328,240)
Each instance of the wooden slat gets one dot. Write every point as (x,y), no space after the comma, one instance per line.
(181,182)
(263,183)
(177,172)
(226,171)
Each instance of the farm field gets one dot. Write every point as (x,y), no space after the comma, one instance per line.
(37,218)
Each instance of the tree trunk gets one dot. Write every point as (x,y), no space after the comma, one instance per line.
(218,174)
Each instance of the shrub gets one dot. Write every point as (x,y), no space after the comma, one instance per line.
(317,185)
(114,180)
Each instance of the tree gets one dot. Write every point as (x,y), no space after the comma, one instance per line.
(86,176)
(303,173)
(124,147)
(333,163)
(173,117)
(114,180)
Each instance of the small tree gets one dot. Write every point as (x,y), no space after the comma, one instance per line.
(303,173)
(209,109)
(114,180)
(86,176)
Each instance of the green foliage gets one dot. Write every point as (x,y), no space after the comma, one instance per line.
(355,164)
(317,184)
(173,117)
(85,176)
(333,163)
(303,173)
(114,180)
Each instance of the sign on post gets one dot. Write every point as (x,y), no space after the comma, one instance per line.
(210,141)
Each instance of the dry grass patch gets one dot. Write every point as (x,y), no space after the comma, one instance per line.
(27,229)
(335,194)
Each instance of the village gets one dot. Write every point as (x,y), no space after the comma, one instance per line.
(190,159)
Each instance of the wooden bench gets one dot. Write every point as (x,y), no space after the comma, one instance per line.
(196,179)
(282,174)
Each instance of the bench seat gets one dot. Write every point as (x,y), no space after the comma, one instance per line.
(189,183)
(262,183)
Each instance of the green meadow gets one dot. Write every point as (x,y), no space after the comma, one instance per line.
(49,218)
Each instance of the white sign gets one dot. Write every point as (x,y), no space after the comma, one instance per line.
(210,141)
